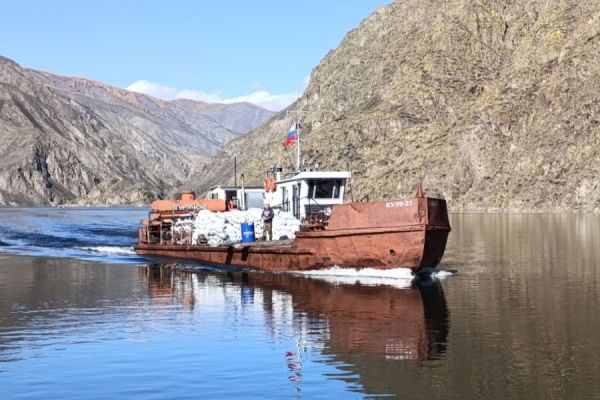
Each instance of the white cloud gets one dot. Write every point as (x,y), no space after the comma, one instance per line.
(260,97)
(153,89)
(274,102)
(199,96)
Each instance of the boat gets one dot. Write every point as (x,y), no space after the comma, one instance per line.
(408,233)
(403,233)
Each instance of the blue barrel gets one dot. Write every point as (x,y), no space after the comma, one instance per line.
(248,232)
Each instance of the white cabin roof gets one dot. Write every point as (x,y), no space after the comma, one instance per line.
(235,188)
(318,175)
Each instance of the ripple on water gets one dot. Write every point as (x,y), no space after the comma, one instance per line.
(91,234)
(518,318)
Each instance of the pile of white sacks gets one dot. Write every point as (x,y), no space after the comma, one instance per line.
(226,227)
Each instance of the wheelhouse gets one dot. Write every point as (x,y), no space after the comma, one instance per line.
(309,192)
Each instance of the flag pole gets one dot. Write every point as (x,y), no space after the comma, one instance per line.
(297,146)
(295,116)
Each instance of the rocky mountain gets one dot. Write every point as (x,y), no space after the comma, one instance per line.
(492,104)
(73,140)
(185,124)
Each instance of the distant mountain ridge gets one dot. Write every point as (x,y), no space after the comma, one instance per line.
(73,140)
(494,105)
(204,126)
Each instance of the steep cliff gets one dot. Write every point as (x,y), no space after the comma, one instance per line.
(491,104)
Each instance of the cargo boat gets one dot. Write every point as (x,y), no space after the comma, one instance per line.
(408,233)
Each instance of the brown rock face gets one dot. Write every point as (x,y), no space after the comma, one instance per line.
(72,140)
(493,104)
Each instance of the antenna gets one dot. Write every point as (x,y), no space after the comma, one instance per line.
(296,115)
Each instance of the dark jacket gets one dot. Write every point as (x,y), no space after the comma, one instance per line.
(267,214)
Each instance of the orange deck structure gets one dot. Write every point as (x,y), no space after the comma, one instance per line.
(409,233)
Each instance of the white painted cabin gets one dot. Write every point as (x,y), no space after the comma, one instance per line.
(309,192)
(244,198)
(306,192)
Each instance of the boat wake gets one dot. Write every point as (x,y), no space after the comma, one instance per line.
(105,235)
(397,277)
(116,250)
(442,274)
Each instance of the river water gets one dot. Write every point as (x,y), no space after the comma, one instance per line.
(81,316)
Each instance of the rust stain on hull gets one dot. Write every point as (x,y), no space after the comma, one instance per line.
(387,234)
(381,250)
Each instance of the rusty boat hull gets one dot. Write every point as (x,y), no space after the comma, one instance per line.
(409,233)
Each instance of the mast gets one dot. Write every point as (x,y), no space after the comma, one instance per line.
(297,145)
(295,116)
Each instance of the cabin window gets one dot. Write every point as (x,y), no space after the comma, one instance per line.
(324,188)
(254,200)
(285,201)
(230,194)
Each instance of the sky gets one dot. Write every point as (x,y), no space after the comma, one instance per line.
(260,51)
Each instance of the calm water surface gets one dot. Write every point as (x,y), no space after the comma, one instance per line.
(520,318)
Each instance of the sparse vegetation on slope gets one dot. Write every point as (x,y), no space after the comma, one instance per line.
(492,104)
(72,140)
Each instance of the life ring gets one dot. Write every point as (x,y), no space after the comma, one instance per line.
(269,184)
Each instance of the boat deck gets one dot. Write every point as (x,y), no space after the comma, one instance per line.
(385,234)
(266,243)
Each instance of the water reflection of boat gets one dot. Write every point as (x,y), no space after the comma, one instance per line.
(392,323)
(164,286)
(400,324)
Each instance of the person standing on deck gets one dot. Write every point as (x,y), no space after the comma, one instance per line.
(267,217)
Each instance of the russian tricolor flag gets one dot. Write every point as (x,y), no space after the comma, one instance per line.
(291,136)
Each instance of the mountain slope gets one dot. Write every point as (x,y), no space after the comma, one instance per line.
(71,140)
(184,123)
(491,104)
